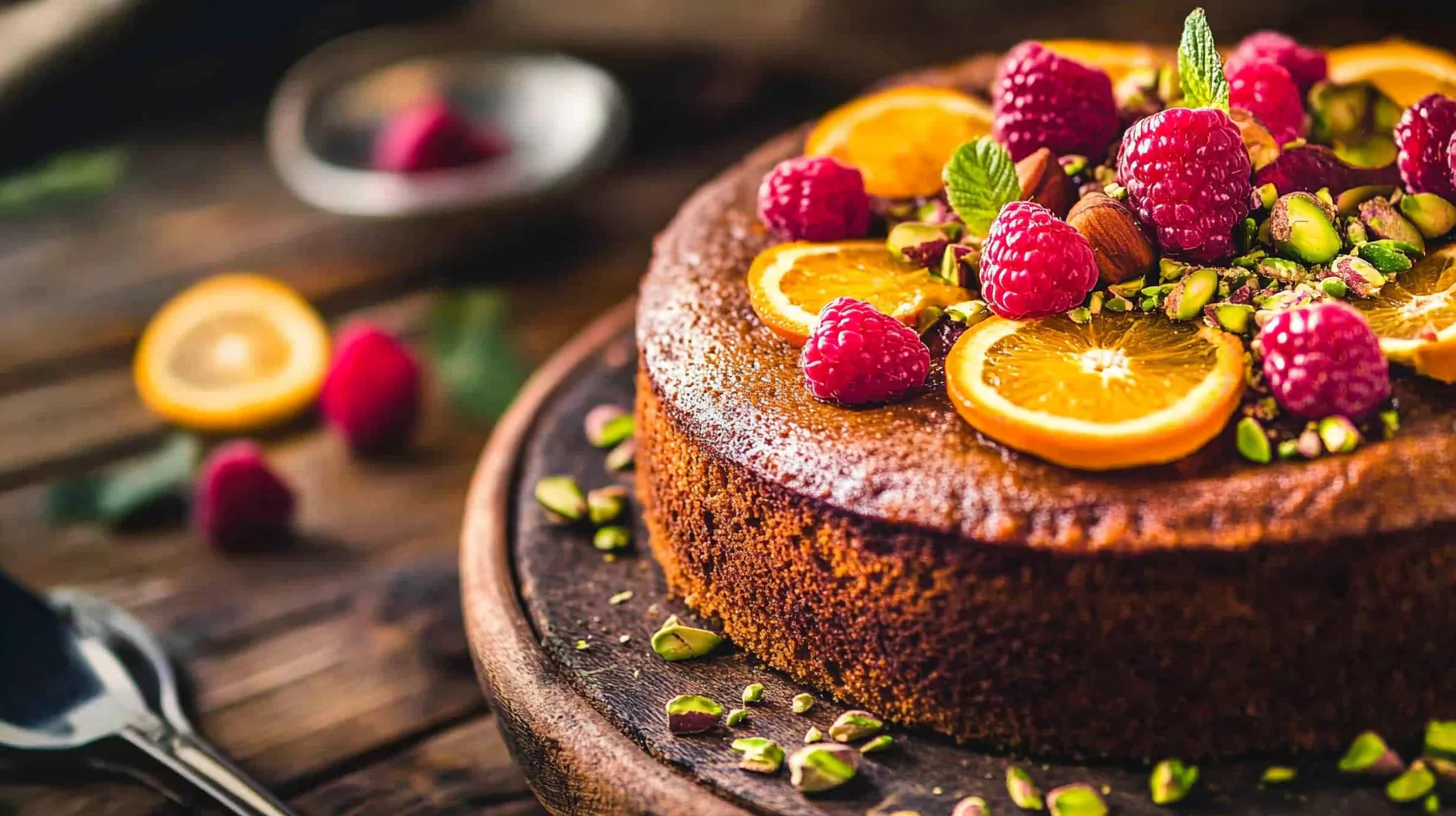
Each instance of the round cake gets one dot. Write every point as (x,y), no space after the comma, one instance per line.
(900,560)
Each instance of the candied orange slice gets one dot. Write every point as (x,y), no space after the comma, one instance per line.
(1118,59)
(1415,316)
(788,284)
(1118,392)
(901,138)
(232,353)
(1404,70)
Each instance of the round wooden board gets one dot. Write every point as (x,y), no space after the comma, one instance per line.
(587,725)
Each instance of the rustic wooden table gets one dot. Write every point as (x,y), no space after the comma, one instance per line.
(336,672)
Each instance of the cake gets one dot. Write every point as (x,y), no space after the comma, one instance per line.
(904,562)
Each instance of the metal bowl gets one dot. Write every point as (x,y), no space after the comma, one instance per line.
(563,119)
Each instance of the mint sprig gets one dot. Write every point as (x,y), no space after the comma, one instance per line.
(1200,70)
(980,179)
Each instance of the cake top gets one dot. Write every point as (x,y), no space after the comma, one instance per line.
(1136,276)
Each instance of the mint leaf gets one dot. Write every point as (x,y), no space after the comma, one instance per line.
(980,179)
(132,494)
(78,174)
(1200,71)
(473,352)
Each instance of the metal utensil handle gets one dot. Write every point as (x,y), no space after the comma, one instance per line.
(201,766)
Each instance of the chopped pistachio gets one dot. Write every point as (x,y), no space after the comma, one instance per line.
(1118,305)
(1171,271)
(905,238)
(1385,257)
(1432,804)
(1127,289)
(1024,793)
(608,425)
(1234,317)
(621,597)
(971,806)
(822,766)
(801,703)
(1303,228)
(1252,441)
(1188,297)
(582,645)
(1075,800)
(1115,190)
(1382,221)
(969,312)
(605,504)
(1277,775)
(561,497)
(1390,422)
(1171,781)
(624,638)
(692,714)
(674,641)
(1338,434)
(855,725)
(1433,215)
(1348,202)
(1080,315)
(928,317)
(1415,784)
(813,735)
(753,693)
(622,457)
(880,743)
(1334,287)
(1268,194)
(1288,449)
(1073,164)
(611,538)
(737,716)
(1444,769)
(760,754)
(1441,738)
(1369,755)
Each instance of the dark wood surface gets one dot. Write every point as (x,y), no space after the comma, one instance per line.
(534,589)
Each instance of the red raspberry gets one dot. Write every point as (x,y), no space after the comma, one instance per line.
(1423,138)
(1306,66)
(433,136)
(1264,89)
(240,502)
(372,392)
(814,198)
(1041,100)
(1187,176)
(1033,265)
(1323,360)
(859,356)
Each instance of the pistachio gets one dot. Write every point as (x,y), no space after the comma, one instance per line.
(1171,271)
(582,645)
(622,457)
(562,498)
(1121,248)
(605,504)
(1283,270)
(737,716)
(1072,164)
(1252,442)
(1115,191)
(935,211)
(1149,304)
(1372,151)
(760,754)
(1338,111)
(1383,257)
(1389,423)
(1444,769)
(674,642)
(822,766)
(1356,275)
(1370,756)
(1024,793)
(1130,288)
(1441,738)
(1171,779)
(1233,317)
(1355,232)
(612,537)
(1250,259)
(1303,228)
(1432,804)
(1416,783)
(1118,305)
(854,725)
(608,425)
(1080,315)
(1277,775)
(1075,800)
(958,266)
(971,806)
(1095,301)
(801,703)
(1288,449)
(1190,295)
(881,743)
(921,244)
(1335,288)
(1348,202)
(928,317)
(692,714)
(1044,181)
(1382,221)
(753,693)
(1433,216)
(1323,194)
(621,597)
(969,312)
(1309,444)
(813,735)
(1268,194)
(1258,141)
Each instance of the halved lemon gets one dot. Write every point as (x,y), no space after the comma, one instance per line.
(1415,316)
(788,284)
(1404,70)
(1118,392)
(1116,58)
(901,138)
(232,353)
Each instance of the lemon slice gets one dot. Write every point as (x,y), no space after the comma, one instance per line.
(232,353)
(1118,392)
(1415,316)
(900,139)
(788,284)
(1403,70)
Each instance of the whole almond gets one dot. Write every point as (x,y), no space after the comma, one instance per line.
(1045,182)
(1122,249)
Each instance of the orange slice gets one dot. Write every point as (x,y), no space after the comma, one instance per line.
(788,284)
(900,139)
(1118,59)
(1120,391)
(1415,316)
(232,353)
(1404,70)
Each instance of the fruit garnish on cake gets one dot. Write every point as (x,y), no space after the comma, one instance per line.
(1127,256)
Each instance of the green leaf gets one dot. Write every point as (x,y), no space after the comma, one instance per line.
(76,174)
(473,353)
(980,179)
(1200,71)
(132,491)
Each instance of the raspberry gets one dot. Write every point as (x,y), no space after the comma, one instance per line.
(1264,89)
(372,392)
(1033,265)
(433,136)
(814,198)
(1423,139)
(859,356)
(1041,100)
(240,502)
(1306,66)
(1187,176)
(1323,360)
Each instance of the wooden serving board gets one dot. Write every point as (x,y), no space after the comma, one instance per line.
(588,725)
